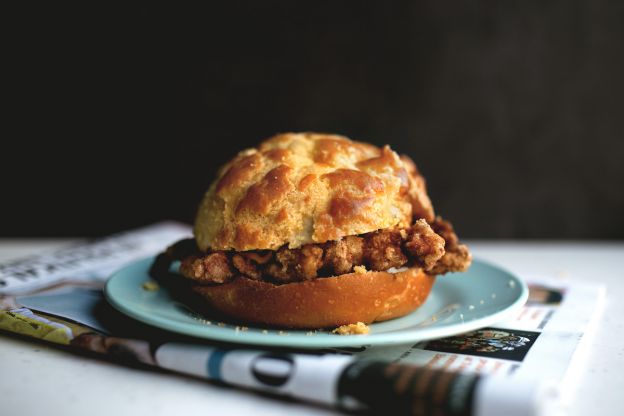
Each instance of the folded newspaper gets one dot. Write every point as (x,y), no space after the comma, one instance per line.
(522,366)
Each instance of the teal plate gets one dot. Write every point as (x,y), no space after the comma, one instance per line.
(459,302)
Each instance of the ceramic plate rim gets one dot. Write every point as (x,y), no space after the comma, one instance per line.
(300,340)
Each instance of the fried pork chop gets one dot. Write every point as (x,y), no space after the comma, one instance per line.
(434,248)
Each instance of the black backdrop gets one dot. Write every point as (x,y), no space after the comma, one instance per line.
(513,110)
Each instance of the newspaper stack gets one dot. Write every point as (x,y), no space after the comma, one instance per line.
(523,366)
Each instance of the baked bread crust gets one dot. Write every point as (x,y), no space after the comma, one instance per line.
(300,188)
(322,303)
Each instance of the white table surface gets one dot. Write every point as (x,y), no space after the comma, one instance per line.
(36,379)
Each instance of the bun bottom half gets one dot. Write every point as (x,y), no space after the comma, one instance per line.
(321,303)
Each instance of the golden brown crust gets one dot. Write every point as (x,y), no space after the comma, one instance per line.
(301,188)
(322,303)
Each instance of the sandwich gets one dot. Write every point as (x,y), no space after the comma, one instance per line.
(311,230)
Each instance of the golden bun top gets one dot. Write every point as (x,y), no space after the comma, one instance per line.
(300,188)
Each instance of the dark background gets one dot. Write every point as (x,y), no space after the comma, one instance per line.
(514,111)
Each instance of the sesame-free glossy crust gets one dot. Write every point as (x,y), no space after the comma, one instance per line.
(321,303)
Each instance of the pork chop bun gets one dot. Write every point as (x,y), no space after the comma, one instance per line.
(311,230)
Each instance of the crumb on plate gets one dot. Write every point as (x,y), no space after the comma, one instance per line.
(150,286)
(359,269)
(358,328)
